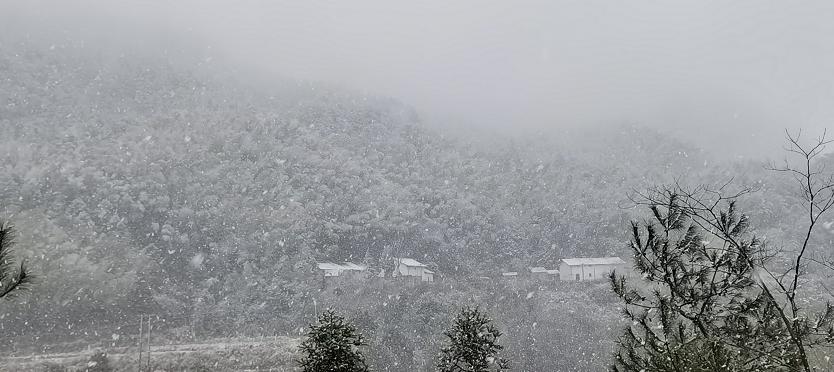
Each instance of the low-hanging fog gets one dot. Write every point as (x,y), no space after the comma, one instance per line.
(727,76)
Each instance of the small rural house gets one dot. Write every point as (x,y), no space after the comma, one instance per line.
(352,270)
(338,270)
(584,269)
(329,269)
(408,267)
(543,273)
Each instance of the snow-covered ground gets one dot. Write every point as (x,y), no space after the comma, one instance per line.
(244,354)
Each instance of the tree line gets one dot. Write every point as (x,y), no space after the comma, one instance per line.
(180,191)
(708,294)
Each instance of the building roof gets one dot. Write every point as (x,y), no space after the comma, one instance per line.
(411,262)
(343,266)
(352,266)
(593,261)
(427,271)
(542,270)
(328,266)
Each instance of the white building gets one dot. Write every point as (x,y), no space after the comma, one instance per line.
(584,269)
(541,272)
(407,267)
(350,266)
(329,269)
(344,269)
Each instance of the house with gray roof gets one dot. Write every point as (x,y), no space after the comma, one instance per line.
(411,268)
(589,269)
(540,272)
(330,269)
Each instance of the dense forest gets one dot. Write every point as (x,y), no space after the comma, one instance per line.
(139,185)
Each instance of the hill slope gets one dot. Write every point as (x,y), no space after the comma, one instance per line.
(144,186)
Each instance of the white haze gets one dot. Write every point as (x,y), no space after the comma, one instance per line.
(729,76)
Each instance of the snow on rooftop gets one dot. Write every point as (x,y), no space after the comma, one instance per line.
(542,270)
(352,266)
(593,261)
(328,266)
(411,262)
(342,266)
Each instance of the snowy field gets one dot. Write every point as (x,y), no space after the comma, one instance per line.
(262,354)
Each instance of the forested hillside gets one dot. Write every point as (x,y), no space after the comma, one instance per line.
(142,186)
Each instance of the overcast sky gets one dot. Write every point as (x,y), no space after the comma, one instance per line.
(744,69)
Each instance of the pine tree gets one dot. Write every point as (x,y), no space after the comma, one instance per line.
(14,277)
(332,345)
(473,344)
(704,303)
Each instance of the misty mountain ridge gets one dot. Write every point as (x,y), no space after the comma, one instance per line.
(196,197)
(200,185)
(313,128)
(353,166)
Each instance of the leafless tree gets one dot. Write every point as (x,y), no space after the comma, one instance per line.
(816,194)
(816,191)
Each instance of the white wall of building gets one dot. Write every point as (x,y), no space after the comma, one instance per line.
(587,272)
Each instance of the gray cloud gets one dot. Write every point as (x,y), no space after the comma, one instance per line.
(739,70)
